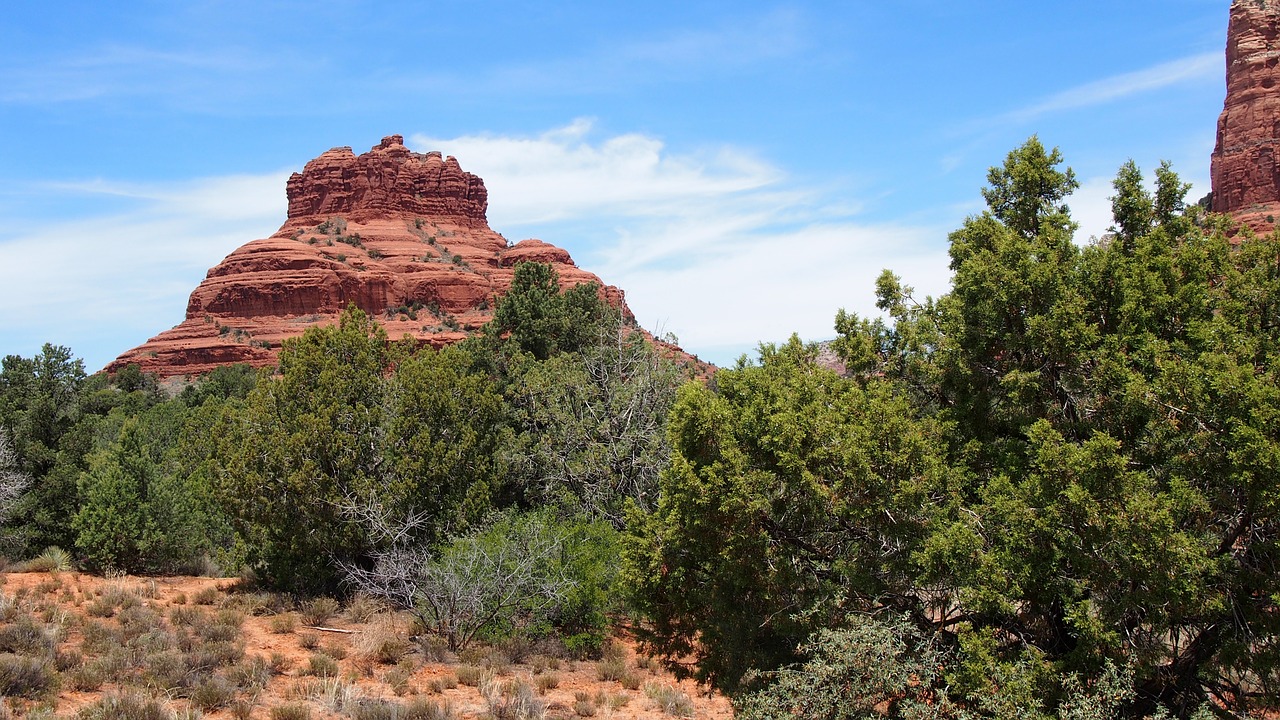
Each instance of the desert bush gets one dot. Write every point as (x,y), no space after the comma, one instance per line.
(583,705)
(185,615)
(399,676)
(222,627)
(258,604)
(442,683)
(338,695)
(241,709)
(434,648)
(424,709)
(88,677)
(65,660)
(207,595)
(321,665)
(391,650)
(251,673)
(26,676)
(308,641)
(499,576)
(335,651)
(128,706)
(213,693)
(517,648)
(612,669)
(98,638)
(376,709)
(279,663)
(210,656)
(25,637)
(284,623)
(319,610)
(138,621)
(163,671)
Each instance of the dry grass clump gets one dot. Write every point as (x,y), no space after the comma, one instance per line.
(292,711)
(400,676)
(382,643)
(472,675)
(669,700)
(547,681)
(512,700)
(206,595)
(362,608)
(321,665)
(319,610)
(28,677)
(284,623)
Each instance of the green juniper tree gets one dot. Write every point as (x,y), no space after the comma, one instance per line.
(1092,485)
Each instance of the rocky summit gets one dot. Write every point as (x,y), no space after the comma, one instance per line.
(1246,159)
(402,235)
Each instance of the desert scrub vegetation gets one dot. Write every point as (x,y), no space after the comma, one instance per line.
(152,656)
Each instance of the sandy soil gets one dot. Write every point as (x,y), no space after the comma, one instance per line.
(566,688)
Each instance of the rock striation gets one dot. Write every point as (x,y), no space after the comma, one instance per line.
(1245,167)
(401,234)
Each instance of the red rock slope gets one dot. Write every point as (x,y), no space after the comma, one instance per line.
(401,234)
(1246,159)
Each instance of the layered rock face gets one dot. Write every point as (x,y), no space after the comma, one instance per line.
(1246,160)
(403,235)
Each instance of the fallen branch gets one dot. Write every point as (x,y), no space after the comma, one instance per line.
(328,629)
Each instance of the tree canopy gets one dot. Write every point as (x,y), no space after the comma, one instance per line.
(1063,471)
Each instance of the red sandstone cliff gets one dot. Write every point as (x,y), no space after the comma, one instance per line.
(401,234)
(1246,160)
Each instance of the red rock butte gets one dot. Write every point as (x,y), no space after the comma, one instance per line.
(402,235)
(1246,163)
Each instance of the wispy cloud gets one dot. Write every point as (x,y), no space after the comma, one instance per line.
(191,78)
(1116,87)
(674,56)
(124,276)
(718,246)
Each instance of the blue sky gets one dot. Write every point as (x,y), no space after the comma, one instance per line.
(741,169)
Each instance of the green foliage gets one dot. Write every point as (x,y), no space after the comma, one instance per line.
(592,425)
(222,383)
(543,321)
(339,431)
(141,509)
(40,411)
(789,489)
(1062,472)
(856,670)
(519,573)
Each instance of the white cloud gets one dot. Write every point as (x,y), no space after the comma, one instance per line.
(716,246)
(561,174)
(128,273)
(1195,67)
